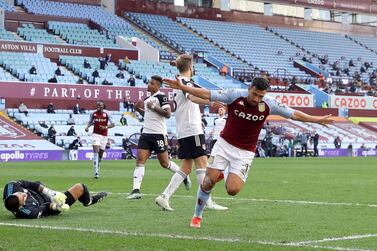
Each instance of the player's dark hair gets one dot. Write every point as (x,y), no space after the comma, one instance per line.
(183,62)
(260,83)
(12,203)
(157,78)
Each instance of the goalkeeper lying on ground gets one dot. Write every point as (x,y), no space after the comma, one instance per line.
(31,200)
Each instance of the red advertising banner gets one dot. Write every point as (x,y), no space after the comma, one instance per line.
(72,92)
(364,6)
(88,92)
(93,2)
(293,99)
(13,46)
(53,51)
(353,102)
(322,4)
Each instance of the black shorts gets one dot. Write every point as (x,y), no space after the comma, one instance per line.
(212,143)
(153,142)
(192,147)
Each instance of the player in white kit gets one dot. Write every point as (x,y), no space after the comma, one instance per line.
(192,147)
(154,109)
(218,126)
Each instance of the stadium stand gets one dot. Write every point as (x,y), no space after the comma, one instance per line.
(6,6)
(81,34)
(19,65)
(181,39)
(252,44)
(370,125)
(112,24)
(76,65)
(145,70)
(338,49)
(39,122)
(6,76)
(349,133)
(30,33)
(6,35)
(366,41)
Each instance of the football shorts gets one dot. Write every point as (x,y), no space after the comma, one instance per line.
(192,147)
(99,140)
(153,142)
(225,155)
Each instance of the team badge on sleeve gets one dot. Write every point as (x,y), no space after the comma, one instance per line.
(261,107)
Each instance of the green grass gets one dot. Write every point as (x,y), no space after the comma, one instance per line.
(267,209)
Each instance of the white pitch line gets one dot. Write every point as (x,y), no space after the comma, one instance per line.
(175,236)
(304,202)
(330,239)
(323,203)
(337,248)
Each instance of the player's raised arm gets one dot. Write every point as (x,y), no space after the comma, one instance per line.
(287,112)
(198,92)
(323,120)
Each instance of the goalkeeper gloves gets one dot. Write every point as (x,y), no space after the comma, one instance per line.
(61,207)
(54,196)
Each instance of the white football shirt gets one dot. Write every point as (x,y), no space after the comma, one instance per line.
(154,123)
(219,124)
(187,113)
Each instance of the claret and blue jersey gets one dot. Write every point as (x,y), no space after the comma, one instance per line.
(244,121)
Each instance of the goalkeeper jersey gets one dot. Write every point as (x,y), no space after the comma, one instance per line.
(37,204)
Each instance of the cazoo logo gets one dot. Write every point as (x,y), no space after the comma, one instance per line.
(316,2)
(248,116)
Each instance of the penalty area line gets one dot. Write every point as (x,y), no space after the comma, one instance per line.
(332,239)
(304,202)
(176,236)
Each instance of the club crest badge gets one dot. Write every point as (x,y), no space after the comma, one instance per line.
(261,107)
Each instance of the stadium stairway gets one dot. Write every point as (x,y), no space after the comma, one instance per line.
(234,82)
(19,9)
(9,75)
(338,49)
(10,130)
(304,51)
(238,60)
(360,43)
(144,32)
(367,122)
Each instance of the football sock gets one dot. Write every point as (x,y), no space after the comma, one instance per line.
(201,201)
(173,167)
(200,174)
(96,163)
(85,198)
(138,176)
(175,181)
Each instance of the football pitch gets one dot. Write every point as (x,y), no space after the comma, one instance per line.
(286,204)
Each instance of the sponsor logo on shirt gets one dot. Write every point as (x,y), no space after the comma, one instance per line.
(249,116)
